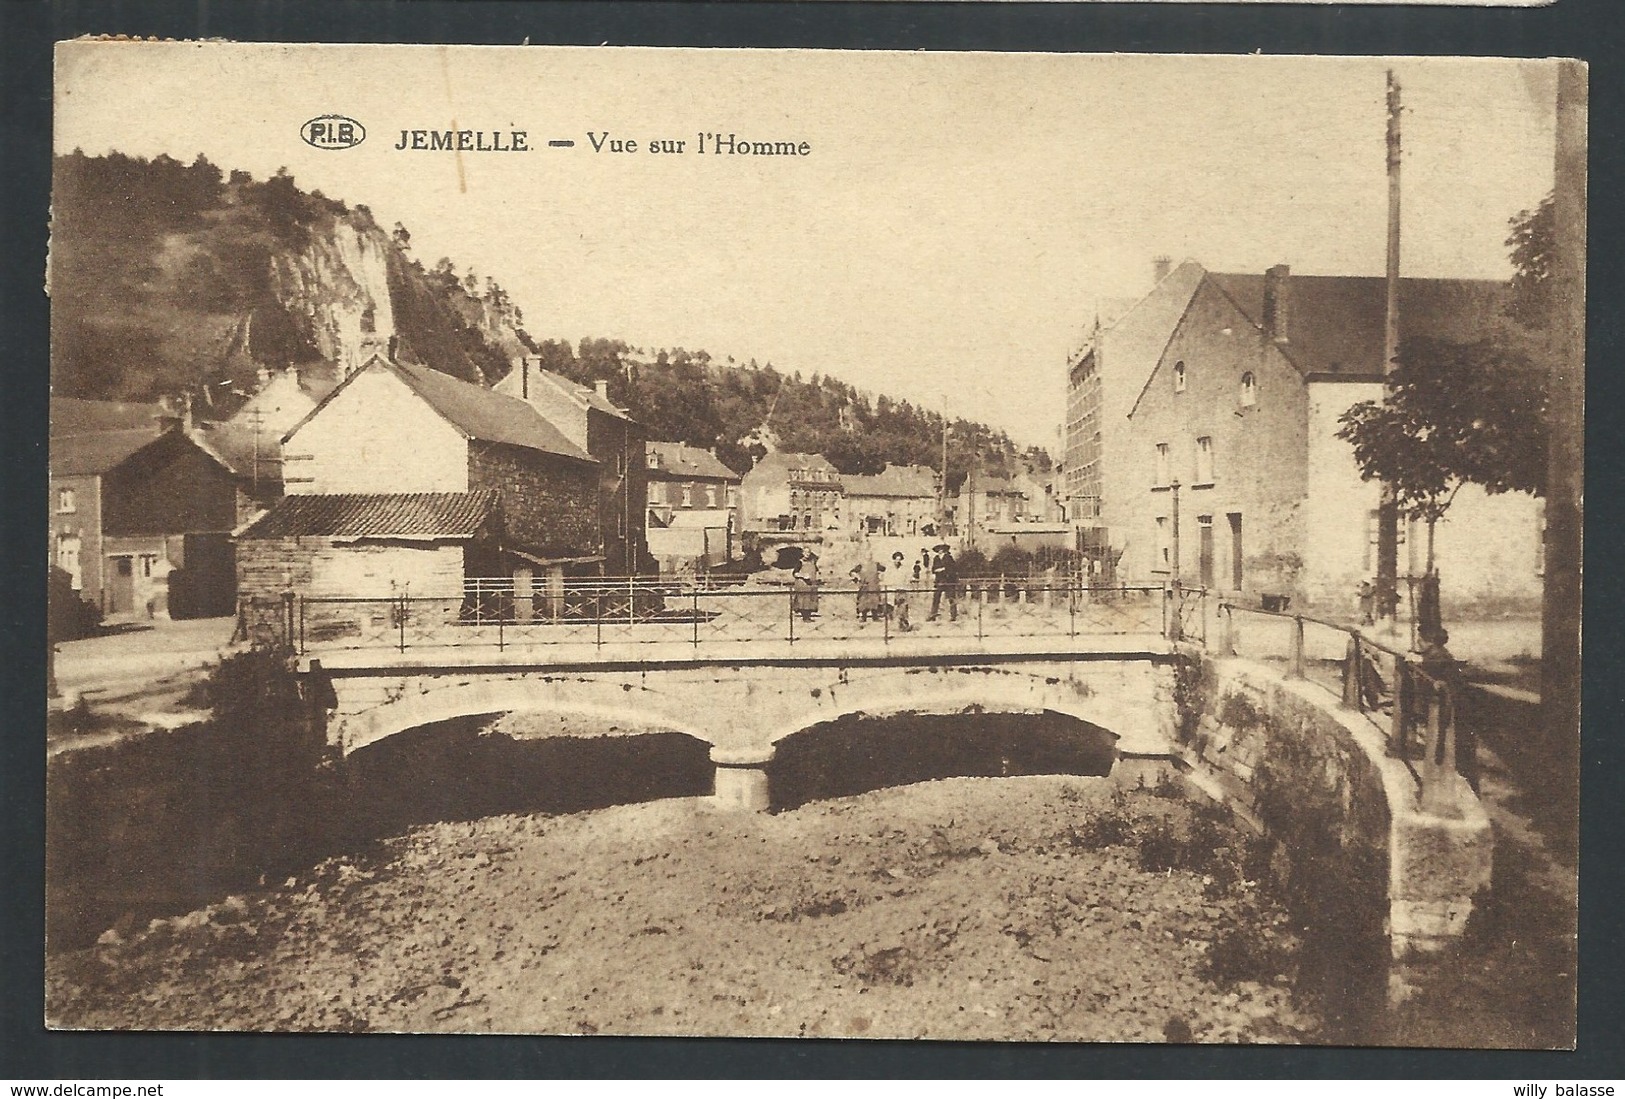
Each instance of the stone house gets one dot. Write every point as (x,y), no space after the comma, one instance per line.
(693,513)
(141,516)
(900,500)
(788,492)
(1223,392)
(611,437)
(407,481)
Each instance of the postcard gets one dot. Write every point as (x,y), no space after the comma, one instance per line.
(815,543)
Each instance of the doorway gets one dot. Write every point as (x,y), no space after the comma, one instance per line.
(121,591)
(1235,550)
(1204,559)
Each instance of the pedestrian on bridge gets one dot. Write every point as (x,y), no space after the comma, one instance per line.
(867,575)
(944,582)
(900,592)
(804,587)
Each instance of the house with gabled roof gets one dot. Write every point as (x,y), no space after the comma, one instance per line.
(143,504)
(1225,391)
(899,500)
(786,492)
(405,480)
(607,432)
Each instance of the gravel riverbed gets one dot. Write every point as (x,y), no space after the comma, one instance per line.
(1007,908)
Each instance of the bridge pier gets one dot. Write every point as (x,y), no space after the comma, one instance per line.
(741,780)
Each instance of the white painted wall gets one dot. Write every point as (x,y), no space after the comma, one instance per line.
(376,435)
(1338,503)
(384,570)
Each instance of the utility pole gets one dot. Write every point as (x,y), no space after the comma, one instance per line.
(1387,593)
(942,482)
(1565,469)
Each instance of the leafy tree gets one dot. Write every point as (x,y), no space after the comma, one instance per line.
(1455,414)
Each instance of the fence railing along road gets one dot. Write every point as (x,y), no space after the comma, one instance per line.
(618,611)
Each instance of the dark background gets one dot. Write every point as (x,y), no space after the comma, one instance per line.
(1590,29)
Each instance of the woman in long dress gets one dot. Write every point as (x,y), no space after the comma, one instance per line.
(804,588)
(867,575)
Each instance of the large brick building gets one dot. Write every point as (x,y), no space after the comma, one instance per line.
(407,481)
(1231,386)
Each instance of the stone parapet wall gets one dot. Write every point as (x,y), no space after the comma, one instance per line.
(1318,779)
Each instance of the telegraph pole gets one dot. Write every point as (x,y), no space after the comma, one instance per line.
(1388,511)
(942,482)
(1565,468)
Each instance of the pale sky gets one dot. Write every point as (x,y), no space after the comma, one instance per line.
(951,231)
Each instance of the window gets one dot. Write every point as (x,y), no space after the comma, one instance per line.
(1163,548)
(652,459)
(688,496)
(1162,465)
(66,501)
(1179,377)
(710,496)
(1204,460)
(1249,390)
(67,558)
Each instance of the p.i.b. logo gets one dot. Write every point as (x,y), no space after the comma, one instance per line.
(333,131)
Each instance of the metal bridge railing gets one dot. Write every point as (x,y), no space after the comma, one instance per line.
(610,611)
(1414,699)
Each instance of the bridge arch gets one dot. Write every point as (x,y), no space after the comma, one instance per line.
(584,696)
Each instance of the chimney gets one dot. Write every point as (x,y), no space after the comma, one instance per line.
(1160,268)
(1278,303)
(603,388)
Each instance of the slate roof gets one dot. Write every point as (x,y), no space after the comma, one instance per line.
(484,414)
(1133,344)
(1335,322)
(75,416)
(414,515)
(905,481)
(679,460)
(586,396)
(97,451)
(232,445)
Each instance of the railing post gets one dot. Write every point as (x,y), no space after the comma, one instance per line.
(1295,671)
(301,627)
(501,640)
(1229,612)
(1072,609)
(400,617)
(696,613)
(979,622)
(792,605)
(1399,727)
(1354,675)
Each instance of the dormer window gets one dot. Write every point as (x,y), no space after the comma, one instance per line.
(1249,390)
(653,459)
(1179,377)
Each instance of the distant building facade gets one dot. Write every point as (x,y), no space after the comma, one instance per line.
(898,500)
(790,492)
(693,512)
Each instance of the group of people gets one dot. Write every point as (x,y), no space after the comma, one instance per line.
(878,599)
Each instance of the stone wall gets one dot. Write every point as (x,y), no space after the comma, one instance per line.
(1319,779)
(549,504)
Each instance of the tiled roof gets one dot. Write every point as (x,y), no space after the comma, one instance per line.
(680,460)
(415,515)
(481,413)
(1335,322)
(904,481)
(96,451)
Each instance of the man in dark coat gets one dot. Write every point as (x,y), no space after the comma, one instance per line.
(944,582)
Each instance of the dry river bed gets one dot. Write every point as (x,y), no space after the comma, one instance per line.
(958,909)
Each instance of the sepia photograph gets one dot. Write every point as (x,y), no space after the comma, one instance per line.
(960,546)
